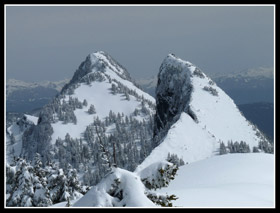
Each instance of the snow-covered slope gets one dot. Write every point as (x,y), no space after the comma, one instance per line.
(194,115)
(100,98)
(219,114)
(100,95)
(191,146)
(233,180)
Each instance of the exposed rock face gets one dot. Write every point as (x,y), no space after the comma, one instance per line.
(194,117)
(24,123)
(173,94)
(37,138)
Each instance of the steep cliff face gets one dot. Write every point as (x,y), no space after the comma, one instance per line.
(194,115)
(173,94)
(36,139)
(15,134)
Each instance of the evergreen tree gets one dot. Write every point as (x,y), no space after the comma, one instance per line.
(41,195)
(22,190)
(174,159)
(127,96)
(85,103)
(236,147)
(104,152)
(91,109)
(34,185)
(10,178)
(161,200)
(56,183)
(255,149)
(74,185)
(161,177)
(223,149)
(114,89)
(12,139)
(266,147)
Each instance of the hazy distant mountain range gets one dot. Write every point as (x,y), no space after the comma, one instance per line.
(261,114)
(24,96)
(252,90)
(247,86)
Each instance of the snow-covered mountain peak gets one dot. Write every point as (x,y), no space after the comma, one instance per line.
(174,90)
(172,57)
(182,65)
(103,62)
(98,66)
(193,115)
(99,99)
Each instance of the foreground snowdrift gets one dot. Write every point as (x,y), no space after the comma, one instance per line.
(233,180)
(119,188)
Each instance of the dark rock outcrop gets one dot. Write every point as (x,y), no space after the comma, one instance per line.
(173,94)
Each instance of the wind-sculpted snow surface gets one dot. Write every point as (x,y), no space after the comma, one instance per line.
(233,180)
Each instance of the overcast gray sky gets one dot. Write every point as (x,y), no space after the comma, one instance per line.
(50,42)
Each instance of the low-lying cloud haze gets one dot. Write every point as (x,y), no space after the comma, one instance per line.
(50,42)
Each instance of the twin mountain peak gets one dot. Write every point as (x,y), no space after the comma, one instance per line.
(189,117)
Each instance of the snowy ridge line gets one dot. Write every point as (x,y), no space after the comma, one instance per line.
(100,132)
(116,72)
(215,117)
(112,64)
